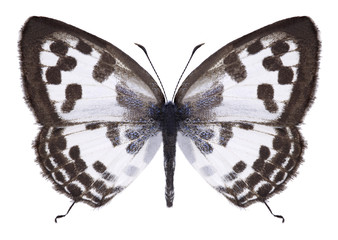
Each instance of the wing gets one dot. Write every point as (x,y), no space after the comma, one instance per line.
(245,162)
(239,110)
(71,76)
(94,162)
(98,110)
(267,76)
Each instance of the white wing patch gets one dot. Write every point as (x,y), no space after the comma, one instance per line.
(253,83)
(85,82)
(95,162)
(245,162)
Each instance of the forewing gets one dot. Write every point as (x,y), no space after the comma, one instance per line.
(94,162)
(71,76)
(245,162)
(267,76)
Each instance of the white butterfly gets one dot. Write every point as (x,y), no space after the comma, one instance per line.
(235,117)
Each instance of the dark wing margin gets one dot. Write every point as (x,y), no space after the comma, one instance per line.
(301,29)
(33,34)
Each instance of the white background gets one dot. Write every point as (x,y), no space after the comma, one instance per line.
(169,30)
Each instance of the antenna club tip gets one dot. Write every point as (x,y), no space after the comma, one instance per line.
(197,47)
(143,48)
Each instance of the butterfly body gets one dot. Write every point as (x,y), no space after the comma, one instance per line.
(169,134)
(235,117)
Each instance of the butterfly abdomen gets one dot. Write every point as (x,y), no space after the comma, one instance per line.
(169,133)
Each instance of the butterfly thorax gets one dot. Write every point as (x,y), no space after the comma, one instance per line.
(168,120)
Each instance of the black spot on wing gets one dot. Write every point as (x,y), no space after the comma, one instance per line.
(59,177)
(80,165)
(264,190)
(264,154)
(245,126)
(285,75)
(280,47)
(73,93)
(255,47)
(59,48)
(265,92)
(70,170)
(253,179)
(99,167)
(234,67)
(66,63)
(61,143)
(53,75)
(113,134)
(74,153)
(109,177)
(68,106)
(268,169)
(83,47)
(85,179)
(272,63)
(226,134)
(104,67)
(229,177)
(93,126)
(102,169)
(239,167)
(74,190)
(238,187)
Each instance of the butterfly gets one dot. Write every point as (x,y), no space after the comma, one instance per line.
(235,117)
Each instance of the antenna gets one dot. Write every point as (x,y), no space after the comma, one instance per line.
(192,54)
(145,52)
